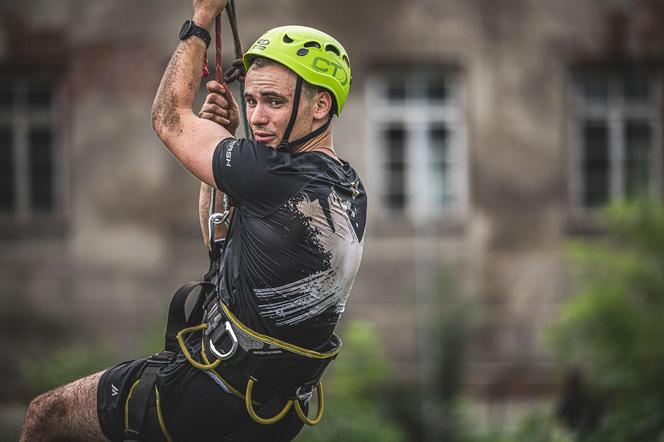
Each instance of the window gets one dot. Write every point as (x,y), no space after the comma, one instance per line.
(30,170)
(417,121)
(616,134)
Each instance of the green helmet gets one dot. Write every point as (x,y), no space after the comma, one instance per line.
(313,55)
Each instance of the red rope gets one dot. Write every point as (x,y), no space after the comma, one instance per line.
(217,48)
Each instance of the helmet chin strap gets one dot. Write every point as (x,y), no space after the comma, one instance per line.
(284,144)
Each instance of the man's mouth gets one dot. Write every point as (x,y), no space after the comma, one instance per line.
(264,137)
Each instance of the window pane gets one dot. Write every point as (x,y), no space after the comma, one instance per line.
(41,169)
(637,155)
(7,177)
(437,88)
(395,139)
(6,93)
(439,144)
(396,88)
(40,95)
(595,163)
(439,166)
(636,87)
(594,87)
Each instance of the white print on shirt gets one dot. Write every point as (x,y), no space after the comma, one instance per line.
(229,151)
(306,298)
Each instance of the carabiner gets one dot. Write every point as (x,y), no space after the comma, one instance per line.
(214,220)
(220,354)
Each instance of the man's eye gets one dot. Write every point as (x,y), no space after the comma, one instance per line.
(274,102)
(251,101)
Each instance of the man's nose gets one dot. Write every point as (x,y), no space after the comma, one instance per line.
(258,116)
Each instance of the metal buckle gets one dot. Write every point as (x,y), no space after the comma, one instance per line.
(303,396)
(214,220)
(234,345)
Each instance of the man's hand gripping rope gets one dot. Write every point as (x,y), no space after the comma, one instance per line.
(220,106)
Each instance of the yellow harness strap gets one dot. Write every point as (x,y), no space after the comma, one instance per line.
(250,384)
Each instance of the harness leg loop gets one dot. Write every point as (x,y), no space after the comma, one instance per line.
(319,415)
(250,408)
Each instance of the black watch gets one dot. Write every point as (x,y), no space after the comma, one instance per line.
(190,28)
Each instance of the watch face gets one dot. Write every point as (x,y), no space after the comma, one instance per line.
(187,29)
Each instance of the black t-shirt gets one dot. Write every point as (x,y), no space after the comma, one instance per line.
(295,242)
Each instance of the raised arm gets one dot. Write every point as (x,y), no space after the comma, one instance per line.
(190,139)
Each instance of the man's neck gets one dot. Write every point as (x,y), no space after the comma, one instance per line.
(321,143)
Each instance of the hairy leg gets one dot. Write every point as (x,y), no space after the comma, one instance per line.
(68,413)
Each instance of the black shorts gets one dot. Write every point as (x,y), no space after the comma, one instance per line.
(193,405)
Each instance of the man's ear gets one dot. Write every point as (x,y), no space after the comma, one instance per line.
(322,105)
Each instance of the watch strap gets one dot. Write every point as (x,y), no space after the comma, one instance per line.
(190,28)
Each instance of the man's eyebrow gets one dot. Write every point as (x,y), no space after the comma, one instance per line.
(267,93)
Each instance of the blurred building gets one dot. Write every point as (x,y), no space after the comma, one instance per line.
(487,133)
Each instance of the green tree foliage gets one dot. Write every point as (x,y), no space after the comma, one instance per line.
(65,365)
(612,330)
(355,393)
(537,426)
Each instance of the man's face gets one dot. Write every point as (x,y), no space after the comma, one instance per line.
(269,92)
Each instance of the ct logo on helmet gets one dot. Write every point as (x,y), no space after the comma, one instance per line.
(261,43)
(325,66)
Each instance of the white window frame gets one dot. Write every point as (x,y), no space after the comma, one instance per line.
(20,118)
(615,112)
(417,115)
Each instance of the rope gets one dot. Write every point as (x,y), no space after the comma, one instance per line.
(185,351)
(235,72)
(217,48)
(217,77)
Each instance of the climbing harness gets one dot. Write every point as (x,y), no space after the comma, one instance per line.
(286,375)
(291,373)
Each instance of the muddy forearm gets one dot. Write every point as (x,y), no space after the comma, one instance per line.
(179,85)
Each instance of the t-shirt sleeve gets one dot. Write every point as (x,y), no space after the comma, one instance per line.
(254,176)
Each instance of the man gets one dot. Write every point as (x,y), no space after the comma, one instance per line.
(280,286)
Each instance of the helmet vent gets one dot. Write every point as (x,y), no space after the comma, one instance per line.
(287,39)
(334,49)
(312,44)
(346,60)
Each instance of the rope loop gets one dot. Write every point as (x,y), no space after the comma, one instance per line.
(183,346)
(235,72)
